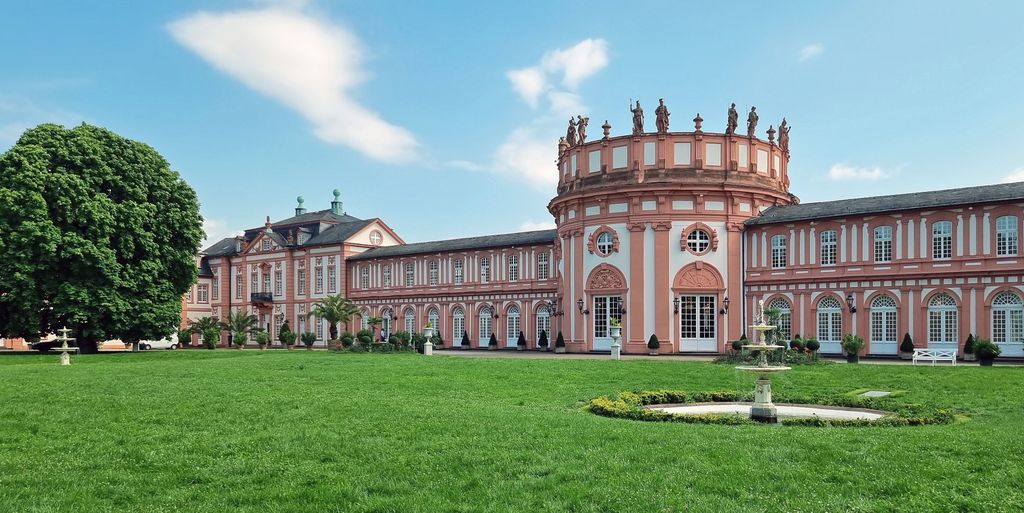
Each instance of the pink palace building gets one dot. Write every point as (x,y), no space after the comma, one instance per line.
(677,234)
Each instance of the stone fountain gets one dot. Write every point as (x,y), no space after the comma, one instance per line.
(64,349)
(762,410)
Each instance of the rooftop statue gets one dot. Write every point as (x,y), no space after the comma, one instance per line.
(784,129)
(661,116)
(570,133)
(581,128)
(638,118)
(751,122)
(734,121)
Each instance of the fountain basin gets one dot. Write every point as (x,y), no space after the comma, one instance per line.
(781,410)
(755,368)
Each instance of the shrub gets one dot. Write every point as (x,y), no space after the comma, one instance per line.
(653,343)
(907,345)
(493,342)
(404,338)
(239,339)
(796,344)
(347,339)
(969,344)
(437,340)
(185,338)
(394,340)
(737,345)
(543,341)
(986,350)
(364,337)
(418,341)
(262,337)
(285,333)
(853,344)
(559,341)
(465,340)
(309,338)
(521,342)
(812,345)
(211,336)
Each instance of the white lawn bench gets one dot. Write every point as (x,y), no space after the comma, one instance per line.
(935,355)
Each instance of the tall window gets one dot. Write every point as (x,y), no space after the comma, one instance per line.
(485,325)
(942,320)
(385,323)
(883,319)
(239,283)
(201,293)
(605,243)
(778,251)
(278,282)
(512,325)
(319,328)
(332,279)
(883,244)
(410,320)
(942,240)
(830,320)
(364,319)
(543,266)
(1007,318)
(266,282)
(319,279)
(543,322)
(409,275)
(485,270)
(1006,236)
(433,272)
(254,281)
(458,276)
(458,326)
(302,281)
(435,320)
(513,267)
(386,275)
(697,317)
(828,247)
(364,277)
(215,286)
(785,319)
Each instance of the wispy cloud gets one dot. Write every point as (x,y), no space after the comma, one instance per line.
(846,172)
(811,51)
(217,229)
(303,61)
(464,165)
(537,225)
(1016,176)
(569,66)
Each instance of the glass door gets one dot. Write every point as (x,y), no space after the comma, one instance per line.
(605,309)
(698,316)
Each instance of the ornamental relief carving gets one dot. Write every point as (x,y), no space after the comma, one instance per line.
(698,276)
(606,277)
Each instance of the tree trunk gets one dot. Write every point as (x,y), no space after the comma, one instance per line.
(334,331)
(135,346)
(88,346)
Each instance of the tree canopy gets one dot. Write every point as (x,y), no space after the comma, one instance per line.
(99,234)
(334,309)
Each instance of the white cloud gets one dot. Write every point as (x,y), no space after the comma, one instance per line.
(811,51)
(529,83)
(1016,176)
(842,172)
(464,165)
(217,229)
(304,62)
(528,156)
(565,104)
(537,225)
(577,63)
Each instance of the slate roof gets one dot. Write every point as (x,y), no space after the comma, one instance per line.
(891,203)
(337,233)
(469,243)
(222,248)
(318,216)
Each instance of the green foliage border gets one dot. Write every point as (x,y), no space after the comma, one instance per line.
(630,405)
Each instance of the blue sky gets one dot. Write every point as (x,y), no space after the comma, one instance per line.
(442,118)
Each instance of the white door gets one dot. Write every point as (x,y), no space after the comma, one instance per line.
(605,309)
(698,317)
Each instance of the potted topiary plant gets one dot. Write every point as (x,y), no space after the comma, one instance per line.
(492,344)
(906,347)
(347,339)
(797,344)
(309,338)
(211,337)
(521,342)
(559,344)
(737,346)
(986,351)
(286,336)
(653,345)
(262,338)
(542,342)
(364,338)
(812,345)
(239,340)
(185,338)
(969,355)
(465,340)
(853,344)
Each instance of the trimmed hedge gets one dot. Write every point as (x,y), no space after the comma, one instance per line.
(630,405)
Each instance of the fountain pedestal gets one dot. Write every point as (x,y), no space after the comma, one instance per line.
(763,410)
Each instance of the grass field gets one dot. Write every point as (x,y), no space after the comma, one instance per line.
(301,431)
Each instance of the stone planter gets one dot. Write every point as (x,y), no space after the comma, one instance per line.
(290,346)
(853,358)
(986,362)
(491,348)
(653,352)
(520,348)
(906,356)
(615,331)
(263,347)
(559,350)
(970,357)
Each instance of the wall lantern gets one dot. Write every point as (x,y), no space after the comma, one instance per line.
(725,307)
(579,306)
(675,304)
(849,303)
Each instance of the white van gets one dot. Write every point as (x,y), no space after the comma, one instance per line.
(164,343)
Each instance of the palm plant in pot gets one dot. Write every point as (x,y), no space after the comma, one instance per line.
(262,338)
(969,355)
(853,345)
(308,338)
(906,347)
(559,344)
(653,345)
(986,351)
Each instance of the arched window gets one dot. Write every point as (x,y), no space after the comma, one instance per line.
(434,319)
(883,319)
(410,320)
(828,247)
(942,240)
(385,323)
(778,251)
(605,243)
(1006,236)
(543,322)
(942,320)
(512,326)
(1007,318)
(785,319)
(883,244)
(485,325)
(830,321)
(458,325)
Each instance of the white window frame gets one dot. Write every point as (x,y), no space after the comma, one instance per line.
(543,266)
(1007,318)
(830,320)
(784,323)
(433,272)
(458,272)
(513,325)
(883,320)
(513,268)
(828,241)
(942,240)
(943,320)
(410,274)
(485,325)
(485,270)
(883,244)
(779,253)
(364,277)
(1006,236)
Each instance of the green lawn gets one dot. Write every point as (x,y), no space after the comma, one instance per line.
(305,432)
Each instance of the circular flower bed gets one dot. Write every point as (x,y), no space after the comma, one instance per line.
(631,405)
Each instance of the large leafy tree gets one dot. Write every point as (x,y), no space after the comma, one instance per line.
(98,234)
(334,309)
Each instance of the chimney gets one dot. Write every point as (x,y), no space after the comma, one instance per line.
(238,243)
(336,204)
(299,210)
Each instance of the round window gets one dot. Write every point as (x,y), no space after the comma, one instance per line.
(605,243)
(698,241)
(376,238)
